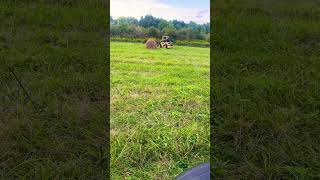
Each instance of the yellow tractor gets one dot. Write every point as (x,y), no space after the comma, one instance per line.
(166,42)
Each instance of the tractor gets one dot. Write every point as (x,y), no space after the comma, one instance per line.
(166,42)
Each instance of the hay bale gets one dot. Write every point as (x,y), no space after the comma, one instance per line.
(151,44)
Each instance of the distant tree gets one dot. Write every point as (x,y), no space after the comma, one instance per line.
(182,34)
(153,32)
(112,21)
(122,21)
(149,26)
(170,31)
(208,37)
(193,25)
(132,20)
(207,27)
(163,24)
(148,21)
(178,24)
(114,30)
(191,34)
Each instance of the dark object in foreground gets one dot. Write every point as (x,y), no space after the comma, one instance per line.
(200,172)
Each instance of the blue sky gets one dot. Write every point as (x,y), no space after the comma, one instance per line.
(185,10)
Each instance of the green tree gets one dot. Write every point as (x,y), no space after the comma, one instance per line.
(151,26)
(170,31)
(148,21)
(163,24)
(153,32)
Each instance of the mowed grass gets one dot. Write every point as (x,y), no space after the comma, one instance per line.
(266,89)
(159,110)
(54,125)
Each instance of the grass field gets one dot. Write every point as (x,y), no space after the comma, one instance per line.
(53,125)
(159,110)
(266,89)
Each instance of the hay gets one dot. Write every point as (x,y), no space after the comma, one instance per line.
(151,44)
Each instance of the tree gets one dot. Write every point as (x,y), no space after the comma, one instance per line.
(178,24)
(190,34)
(163,24)
(153,32)
(132,21)
(149,21)
(208,37)
(170,31)
(151,26)
(114,30)
(193,25)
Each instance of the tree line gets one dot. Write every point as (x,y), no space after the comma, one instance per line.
(149,26)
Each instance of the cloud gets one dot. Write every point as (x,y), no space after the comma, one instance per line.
(138,8)
(203,14)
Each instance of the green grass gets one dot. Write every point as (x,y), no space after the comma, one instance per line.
(58,53)
(159,110)
(266,89)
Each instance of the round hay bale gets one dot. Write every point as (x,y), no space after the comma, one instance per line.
(151,44)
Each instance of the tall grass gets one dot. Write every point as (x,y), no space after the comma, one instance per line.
(266,89)
(52,91)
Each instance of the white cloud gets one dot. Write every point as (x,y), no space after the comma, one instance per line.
(138,8)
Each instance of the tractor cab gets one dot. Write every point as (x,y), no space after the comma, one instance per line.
(164,38)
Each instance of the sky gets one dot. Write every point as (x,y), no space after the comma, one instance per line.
(183,10)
